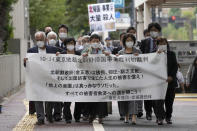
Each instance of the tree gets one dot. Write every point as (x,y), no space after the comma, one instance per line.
(175,12)
(6,28)
(55,12)
(77,15)
(189,26)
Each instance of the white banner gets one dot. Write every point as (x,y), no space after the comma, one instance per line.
(102,17)
(96,77)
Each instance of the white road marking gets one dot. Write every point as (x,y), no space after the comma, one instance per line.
(97,126)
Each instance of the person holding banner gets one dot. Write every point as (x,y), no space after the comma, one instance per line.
(150,46)
(41,48)
(118,47)
(70,47)
(96,108)
(128,108)
(63,34)
(172,67)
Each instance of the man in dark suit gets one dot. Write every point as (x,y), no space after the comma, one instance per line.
(41,48)
(63,34)
(149,45)
(172,68)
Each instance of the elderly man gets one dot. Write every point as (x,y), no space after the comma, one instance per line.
(51,38)
(41,48)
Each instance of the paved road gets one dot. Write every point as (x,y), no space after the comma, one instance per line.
(14,117)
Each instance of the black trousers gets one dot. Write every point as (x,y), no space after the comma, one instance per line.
(169,100)
(67,111)
(97,108)
(148,105)
(32,108)
(158,106)
(85,110)
(79,108)
(57,109)
(49,109)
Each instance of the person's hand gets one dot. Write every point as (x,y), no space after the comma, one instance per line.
(25,60)
(107,53)
(85,54)
(159,51)
(170,79)
(117,55)
(136,54)
(57,53)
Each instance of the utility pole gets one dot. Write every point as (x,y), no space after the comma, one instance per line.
(196,21)
(153,14)
(132,12)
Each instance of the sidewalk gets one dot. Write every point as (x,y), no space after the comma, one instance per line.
(15,117)
(13,109)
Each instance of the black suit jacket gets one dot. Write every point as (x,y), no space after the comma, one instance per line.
(172,68)
(62,47)
(145,46)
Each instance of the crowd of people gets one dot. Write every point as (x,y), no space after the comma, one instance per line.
(49,42)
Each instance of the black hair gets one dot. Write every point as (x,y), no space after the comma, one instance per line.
(145,31)
(164,39)
(156,25)
(123,33)
(179,66)
(63,26)
(95,36)
(127,36)
(68,40)
(131,28)
(194,63)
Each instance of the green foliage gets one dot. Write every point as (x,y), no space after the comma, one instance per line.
(6,26)
(175,12)
(55,12)
(195,10)
(172,33)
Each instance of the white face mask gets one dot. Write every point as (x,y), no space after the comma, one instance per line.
(52,42)
(147,37)
(63,36)
(70,47)
(129,44)
(162,47)
(40,44)
(95,45)
(86,45)
(154,34)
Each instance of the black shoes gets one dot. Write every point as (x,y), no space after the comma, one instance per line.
(122,118)
(77,120)
(57,118)
(160,122)
(169,121)
(40,122)
(68,121)
(139,115)
(148,117)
